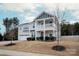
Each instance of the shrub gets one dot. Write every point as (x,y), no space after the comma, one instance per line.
(50,38)
(40,38)
(1,37)
(31,38)
(46,38)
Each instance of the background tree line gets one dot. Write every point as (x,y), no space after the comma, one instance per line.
(11,25)
(69,29)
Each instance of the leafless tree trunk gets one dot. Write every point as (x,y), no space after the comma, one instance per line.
(58,23)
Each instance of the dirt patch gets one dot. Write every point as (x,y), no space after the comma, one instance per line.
(45,47)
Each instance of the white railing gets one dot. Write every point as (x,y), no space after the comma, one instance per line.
(47,26)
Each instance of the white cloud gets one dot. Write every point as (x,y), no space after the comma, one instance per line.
(30,18)
(27,19)
(62,6)
(14,6)
(74,21)
(33,6)
(20,7)
(28,9)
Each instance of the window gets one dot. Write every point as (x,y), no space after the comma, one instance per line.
(33,35)
(20,28)
(24,35)
(33,26)
(50,35)
(50,22)
(25,30)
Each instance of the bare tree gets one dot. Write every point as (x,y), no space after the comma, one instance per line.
(58,21)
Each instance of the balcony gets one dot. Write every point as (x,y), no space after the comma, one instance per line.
(47,27)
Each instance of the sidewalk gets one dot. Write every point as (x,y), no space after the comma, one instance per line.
(18,53)
(6,42)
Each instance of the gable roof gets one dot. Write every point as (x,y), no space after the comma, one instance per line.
(44,15)
(41,16)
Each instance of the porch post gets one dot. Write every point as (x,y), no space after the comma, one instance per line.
(29,32)
(35,30)
(53,30)
(55,27)
(44,30)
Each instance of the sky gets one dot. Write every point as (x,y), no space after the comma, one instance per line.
(26,12)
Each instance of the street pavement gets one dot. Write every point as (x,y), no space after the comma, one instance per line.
(6,42)
(18,53)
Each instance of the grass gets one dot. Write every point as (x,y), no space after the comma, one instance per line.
(45,47)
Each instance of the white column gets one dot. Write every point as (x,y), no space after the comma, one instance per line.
(44,29)
(56,30)
(53,27)
(59,30)
(35,30)
(29,31)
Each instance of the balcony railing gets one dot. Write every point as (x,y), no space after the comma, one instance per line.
(47,26)
(41,26)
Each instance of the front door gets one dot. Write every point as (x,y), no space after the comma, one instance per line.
(41,34)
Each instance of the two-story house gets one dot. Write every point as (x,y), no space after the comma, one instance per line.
(43,25)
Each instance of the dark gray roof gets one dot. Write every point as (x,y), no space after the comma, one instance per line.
(44,15)
(41,16)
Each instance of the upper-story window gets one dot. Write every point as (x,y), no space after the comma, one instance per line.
(33,26)
(50,35)
(40,22)
(20,28)
(24,35)
(25,28)
(50,20)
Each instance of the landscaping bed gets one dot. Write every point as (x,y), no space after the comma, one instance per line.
(41,38)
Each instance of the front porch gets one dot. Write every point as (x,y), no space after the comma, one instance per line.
(48,33)
(43,36)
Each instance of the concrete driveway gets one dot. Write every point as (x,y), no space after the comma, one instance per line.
(6,42)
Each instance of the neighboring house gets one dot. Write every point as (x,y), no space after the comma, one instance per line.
(43,25)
